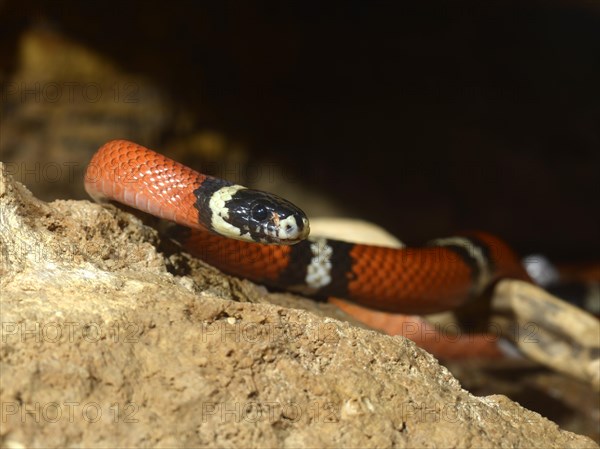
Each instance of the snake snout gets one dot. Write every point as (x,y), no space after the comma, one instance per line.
(292,229)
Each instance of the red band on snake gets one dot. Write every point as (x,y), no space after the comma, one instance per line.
(441,275)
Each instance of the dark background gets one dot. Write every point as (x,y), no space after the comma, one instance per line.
(426,117)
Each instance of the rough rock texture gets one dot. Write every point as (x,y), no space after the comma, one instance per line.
(113,337)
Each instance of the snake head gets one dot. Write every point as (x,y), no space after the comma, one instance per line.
(251,215)
(266,218)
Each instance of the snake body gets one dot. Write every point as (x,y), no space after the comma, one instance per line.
(442,275)
(133,175)
(229,226)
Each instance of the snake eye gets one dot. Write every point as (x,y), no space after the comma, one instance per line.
(259,212)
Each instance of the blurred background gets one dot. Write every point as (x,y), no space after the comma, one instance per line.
(426,118)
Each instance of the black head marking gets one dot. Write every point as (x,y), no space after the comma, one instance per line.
(266,217)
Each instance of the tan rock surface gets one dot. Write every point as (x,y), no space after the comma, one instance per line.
(113,337)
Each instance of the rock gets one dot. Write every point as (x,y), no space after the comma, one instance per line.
(112,336)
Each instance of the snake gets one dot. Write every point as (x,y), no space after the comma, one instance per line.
(264,238)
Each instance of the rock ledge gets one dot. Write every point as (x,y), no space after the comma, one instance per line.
(111,336)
